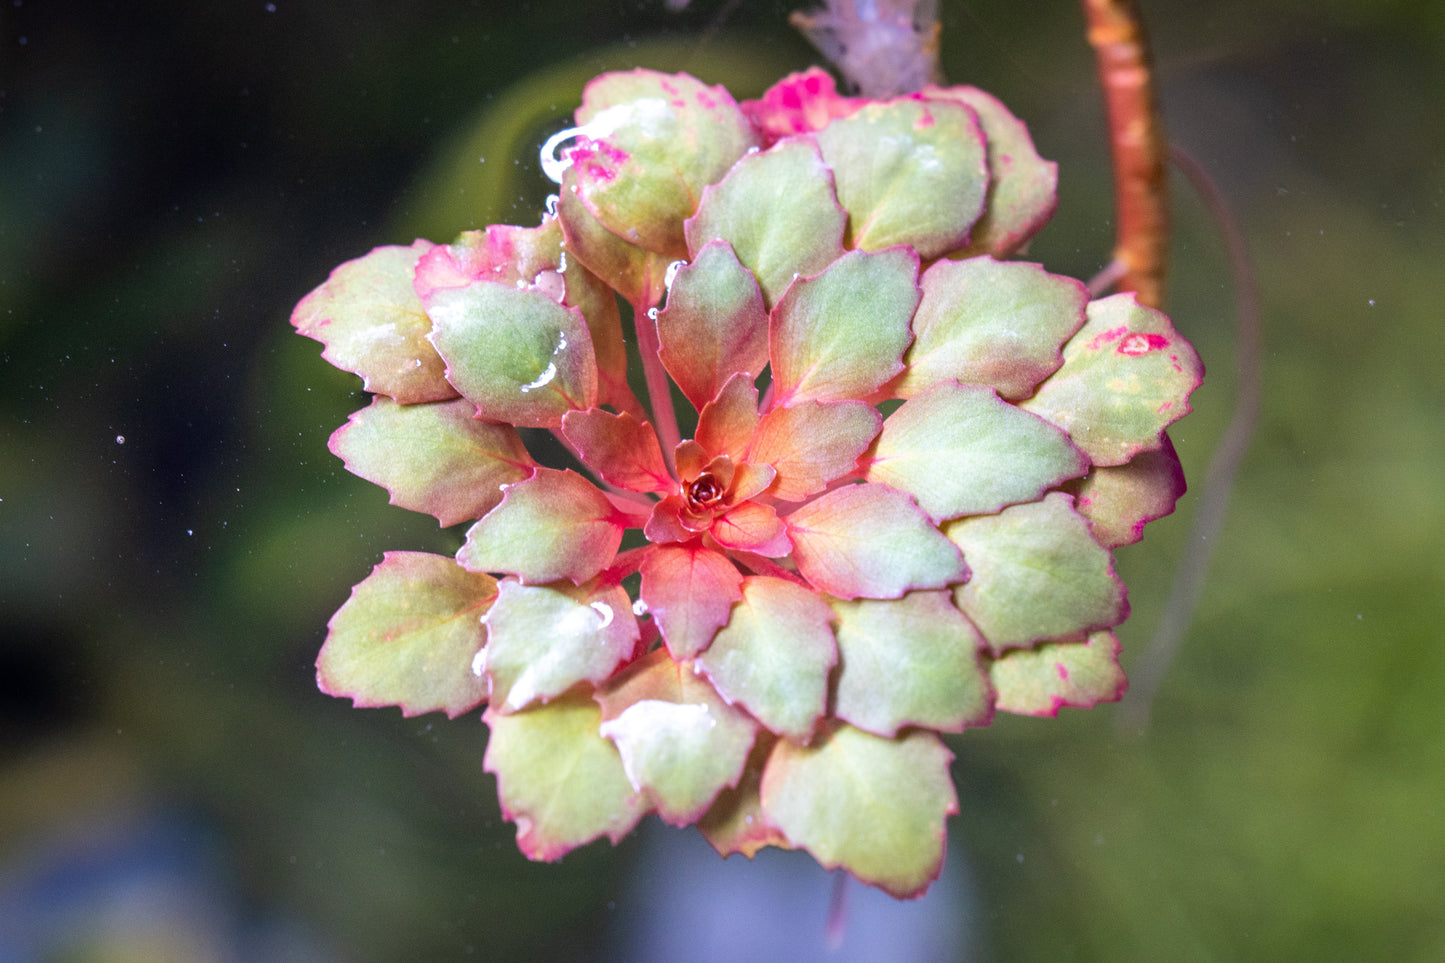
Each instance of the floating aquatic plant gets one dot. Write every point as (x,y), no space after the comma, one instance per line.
(893,518)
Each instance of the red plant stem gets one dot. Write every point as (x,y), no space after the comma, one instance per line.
(1154,664)
(1136,141)
(659,387)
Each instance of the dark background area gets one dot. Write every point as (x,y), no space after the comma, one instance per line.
(174,533)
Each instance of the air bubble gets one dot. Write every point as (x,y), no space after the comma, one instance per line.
(551,204)
(671,273)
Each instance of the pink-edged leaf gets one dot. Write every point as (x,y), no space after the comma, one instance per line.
(649,144)
(812,443)
(871,541)
(373,325)
(690,591)
(964,451)
(519,356)
(533,257)
(841,334)
(714,325)
(912,661)
(1127,375)
(639,276)
(1022,186)
(798,104)
(876,807)
(434,458)
(735,823)
(544,639)
(669,522)
(558,779)
(681,743)
(726,424)
(992,323)
(1037,574)
(553,525)
(750,481)
(909,172)
(774,654)
(1042,680)
(1120,500)
(622,450)
(504,253)
(407,635)
(778,211)
(751,527)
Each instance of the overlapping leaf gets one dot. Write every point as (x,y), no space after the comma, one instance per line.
(434,458)
(621,450)
(544,639)
(993,323)
(690,591)
(714,326)
(1127,375)
(778,211)
(735,823)
(519,356)
(909,662)
(651,142)
(1042,680)
(558,779)
(373,324)
(1022,186)
(841,334)
(1118,501)
(871,805)
(407,636)
(810,444)
(1037,574)
(871,541)
(681,744)
(908,172)
(774,654)
(551,526)
(963,451)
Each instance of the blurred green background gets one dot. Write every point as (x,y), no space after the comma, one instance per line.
(174,534)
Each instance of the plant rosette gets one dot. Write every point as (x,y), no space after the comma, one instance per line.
(912,457)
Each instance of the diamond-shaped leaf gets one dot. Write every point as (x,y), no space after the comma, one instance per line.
(872,541)
(407,635)
(1037,574)
(908,172)
(1118,501)
(544,639)
(909,662)
(558,778)
(553,525)
(373,324)
(714,325)
(810,444)
(622,450)
(1022,185)
(434,458)
(774,654)
(871,805)
(1127,375)
(964,451)
(992,323)
(841,334)
(778,212)
(1042,680)
(681,744)
(521,357)
(690,591)
(726,424)
(651,142)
